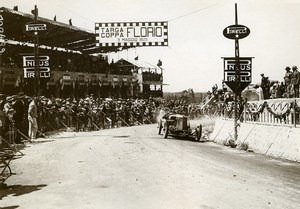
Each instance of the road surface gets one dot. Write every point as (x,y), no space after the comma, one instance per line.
(135,168)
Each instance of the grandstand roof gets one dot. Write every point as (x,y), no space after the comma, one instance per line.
(59,35)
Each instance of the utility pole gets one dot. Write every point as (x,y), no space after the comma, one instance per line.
(237,81)
(36,56)
(233,80)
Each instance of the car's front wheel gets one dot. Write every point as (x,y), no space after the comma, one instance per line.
(166,131)
(159,127)
(198,132)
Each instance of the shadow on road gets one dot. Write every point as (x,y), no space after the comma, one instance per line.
(10,207)
(18,190)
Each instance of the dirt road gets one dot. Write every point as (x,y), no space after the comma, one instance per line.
(134,168)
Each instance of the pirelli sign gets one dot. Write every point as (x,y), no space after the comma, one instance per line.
(35,28)
(131,34)
(29,66)
(245,70)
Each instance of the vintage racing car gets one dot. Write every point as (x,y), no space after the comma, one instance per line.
(177,125)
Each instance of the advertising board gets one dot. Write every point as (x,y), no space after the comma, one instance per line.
(236,31)
(35,28)
(29,63)
(245,71)
(131,34)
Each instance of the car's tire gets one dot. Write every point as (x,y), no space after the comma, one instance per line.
(198,132)
(159,127)
(166,131)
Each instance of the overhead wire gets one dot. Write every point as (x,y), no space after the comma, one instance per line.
(193,12)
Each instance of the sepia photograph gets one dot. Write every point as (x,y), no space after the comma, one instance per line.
(149,104)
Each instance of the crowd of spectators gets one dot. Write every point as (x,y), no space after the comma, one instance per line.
(151,76)
(288,88)
(18,112)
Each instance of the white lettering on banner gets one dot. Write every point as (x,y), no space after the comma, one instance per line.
(237,30)
(112,32)
(2,36)
(29,66)
(144,31)
(35,27)
(28,73)
(28,61)
(244,65)
(44,72)
(245,69)
(129,39)
(132,34)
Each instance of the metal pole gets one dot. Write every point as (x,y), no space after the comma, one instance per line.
(38,64)
(237,81)
(36,57)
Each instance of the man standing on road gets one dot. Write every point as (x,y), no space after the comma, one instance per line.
(18,106)
(295,80)
(32,118)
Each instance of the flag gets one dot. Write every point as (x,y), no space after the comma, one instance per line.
(136,58)
(159,63)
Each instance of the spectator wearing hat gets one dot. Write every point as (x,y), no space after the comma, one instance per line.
(295,80)
(8,104)
(32,118)
(265,85)
(287,80)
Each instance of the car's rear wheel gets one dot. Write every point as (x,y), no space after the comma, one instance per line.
(198,132)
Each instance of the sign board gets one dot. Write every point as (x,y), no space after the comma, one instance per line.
(245,72)
(2,35)
(34,28)
(131,34)
(29,63)
(236,31)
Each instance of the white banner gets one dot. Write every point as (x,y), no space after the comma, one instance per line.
(131,34)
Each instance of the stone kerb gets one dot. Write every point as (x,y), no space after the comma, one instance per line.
(277,141)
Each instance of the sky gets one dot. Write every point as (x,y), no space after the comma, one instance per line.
(193,58)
